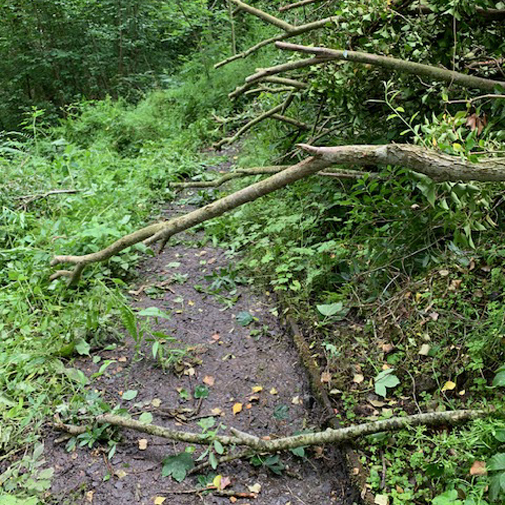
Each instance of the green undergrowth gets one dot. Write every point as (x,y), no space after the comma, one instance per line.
(118,160)
(399,283)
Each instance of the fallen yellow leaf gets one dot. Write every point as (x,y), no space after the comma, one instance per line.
(216,412)
(159,500)
(257,389)
(274,391)
(143,444)
(217,481)
(89,496)
(449,386)
(237,407)
(255,488)
(156,402)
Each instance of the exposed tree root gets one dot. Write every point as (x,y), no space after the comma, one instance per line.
(464,80)
(354,466)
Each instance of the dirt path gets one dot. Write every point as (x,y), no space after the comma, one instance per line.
(225,357)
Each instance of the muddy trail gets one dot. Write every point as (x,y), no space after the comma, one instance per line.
(228,349)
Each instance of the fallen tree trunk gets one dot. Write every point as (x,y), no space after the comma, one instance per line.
(328,436)
(438,166)
(441,74)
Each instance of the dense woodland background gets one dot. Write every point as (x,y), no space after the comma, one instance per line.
(115,101)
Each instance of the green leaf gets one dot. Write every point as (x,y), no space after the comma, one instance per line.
(201,392)
(384,380)
(146,417)
(499,379)
(244,318)
(154,312)
(213,460)
(298,451)
(218,447)
(177,466)
(447,498)
(82,347)
(330,309)
(77,376)
(496,463)
(130,394)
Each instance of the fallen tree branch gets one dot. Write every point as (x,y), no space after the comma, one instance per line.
(264,16)
(441,74)
(27,199)
(439,167)
(296,30)
(291,121)
(478,98)
(161,232)
(486,13)
(278,69)
(279,108)
(277,80)
(297,4)
(245,172)
(328,436)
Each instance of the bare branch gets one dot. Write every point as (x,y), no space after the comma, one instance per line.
(264,16)
(297,4)
(325,55)
(279,108)
(297,30)
(478,98)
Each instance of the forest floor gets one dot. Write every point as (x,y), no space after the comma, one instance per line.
(229,352)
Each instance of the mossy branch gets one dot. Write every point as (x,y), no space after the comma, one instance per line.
(329,436)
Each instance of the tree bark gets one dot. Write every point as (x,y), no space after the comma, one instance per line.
(440,74)
(439,167)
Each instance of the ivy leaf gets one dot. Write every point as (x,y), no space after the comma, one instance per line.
(177,466)
(384,380)
(244,319)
